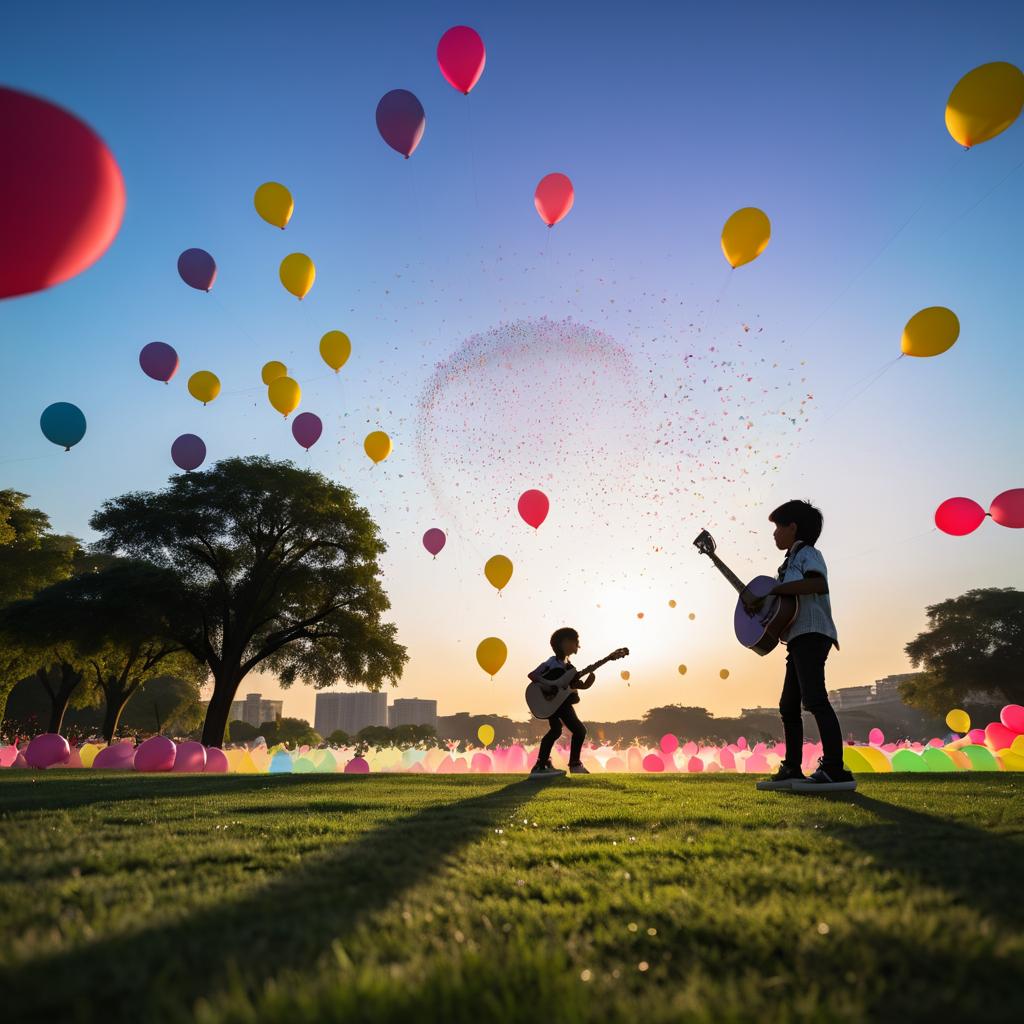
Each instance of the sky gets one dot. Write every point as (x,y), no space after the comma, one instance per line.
(614,361)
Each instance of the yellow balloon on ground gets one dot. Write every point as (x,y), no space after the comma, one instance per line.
(204,386)
(930,332)
(746,235)
(272,370)
(682,670)
(298,274)
(377,445)
(498,571)
(274,203)
(491,654)
(335,348)
(958,721)
(985,102)
(284,394)
(624,674)
(485,734)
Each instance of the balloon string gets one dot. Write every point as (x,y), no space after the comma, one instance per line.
(713,306)
(875,376)
(999,184)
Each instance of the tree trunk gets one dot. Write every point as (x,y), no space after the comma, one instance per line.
(112,709)
(224,689)
(60,695)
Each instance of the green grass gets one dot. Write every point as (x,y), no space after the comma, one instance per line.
(489,899)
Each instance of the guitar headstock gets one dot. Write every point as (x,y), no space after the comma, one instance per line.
(622,652)
(705,543)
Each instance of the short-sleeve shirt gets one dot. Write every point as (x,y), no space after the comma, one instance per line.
(815,613)
(552,669)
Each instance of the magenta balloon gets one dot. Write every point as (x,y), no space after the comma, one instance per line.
(216,760)
(190,756)
(1007,509)
(1012,716)
(401,120)
(306,429)
(188,452)
(158,361)
(119,757)
(433,540)
(47,750)
(155,755)
(959,516)
(533,507)
(198,269)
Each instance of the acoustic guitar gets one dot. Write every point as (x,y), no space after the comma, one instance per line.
(545,697)
(762,629)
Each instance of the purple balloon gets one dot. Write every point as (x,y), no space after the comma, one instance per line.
(433,540)
(401,120)
(188,452)
(198,269)
(158,361)
(306,429)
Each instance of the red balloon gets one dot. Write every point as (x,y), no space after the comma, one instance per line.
(533,507)
(554,198)
(1007,509)
(64,190)
(959,516)
(461,57)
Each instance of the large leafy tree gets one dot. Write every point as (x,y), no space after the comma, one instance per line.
(277,567)
(973,648)
(164,704)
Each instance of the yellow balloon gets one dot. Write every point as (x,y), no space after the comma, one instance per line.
(335,348)
(274,203)
(491,654)
(485,734)
(672,604)
(377,445)
(284,394)
(958,721)
(985,102)
(272,370)
(682,670)
(930,332)
(498,571)
(204,386)
(723,674)
(624,674)
(298,274)
(745,235)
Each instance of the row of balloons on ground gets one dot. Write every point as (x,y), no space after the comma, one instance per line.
(960,516)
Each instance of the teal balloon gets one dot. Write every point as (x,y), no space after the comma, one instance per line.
(63,424)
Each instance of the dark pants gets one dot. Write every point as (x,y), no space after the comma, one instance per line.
(565,715)
(805,683)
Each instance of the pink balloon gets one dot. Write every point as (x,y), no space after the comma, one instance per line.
(998,736)
(653,763)
(1012,716)
(306,429)
(188,452)
(1007,509)
(695,764)
(401,121)
(533,507)
(357,766)
(742,743)
(876,737)
(461,57)
(7,755)
(216,760)
(669,743)
(480,763)
(159,361)
(553,198)
(976,735)
(155,755)
(727,759)
(46,750)
(434,540)
(118,757)
(959,516)
(190,756)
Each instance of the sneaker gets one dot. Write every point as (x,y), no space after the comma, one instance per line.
(826,780)
(784,778)
(578,769)
(545,771)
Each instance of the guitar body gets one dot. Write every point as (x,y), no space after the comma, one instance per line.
(544,698)
(760,631)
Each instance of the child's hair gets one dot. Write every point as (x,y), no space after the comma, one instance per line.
(808,519)
(565,633)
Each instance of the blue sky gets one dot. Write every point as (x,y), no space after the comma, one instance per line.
(667,118)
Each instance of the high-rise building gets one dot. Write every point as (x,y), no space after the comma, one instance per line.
(254,710)
(413,711)
(349,711)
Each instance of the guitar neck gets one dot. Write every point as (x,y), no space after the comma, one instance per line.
(727,572)
(593,668)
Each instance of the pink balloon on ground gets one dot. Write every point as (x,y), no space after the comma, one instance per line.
(357,766)
(461,57)
(306,429)
(7,755)
(480,763)
(1007,509)
(118,757)
(75,760)
(653,763)
(976,735)
(998,737)
(1012,716)
(434,540)
(959,516)
(155,755)
(876,737)
(669,743)
(216,760)
(47,750)
(20,762)
(190,756)
(188,452)
(533,507)
(727,759)
(695,764)
(742,743)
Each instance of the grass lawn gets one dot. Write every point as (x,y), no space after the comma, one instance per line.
(490,899)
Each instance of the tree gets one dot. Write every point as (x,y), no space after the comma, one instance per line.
(973,648)
(278,569)
(291,731)
(690,723)
(164,704)
(242,732)
(339,738)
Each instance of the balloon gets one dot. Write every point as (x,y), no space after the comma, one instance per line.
(930,332)
(959,516)
(672,604)
(682,670)
(204,386)
(984,103)
(298,274)
(188,452)
(625,675)
(553,198)
(461,57)
(723,674)
(158,361)
(377,445)
(335,348)
(533,507)
(1012,716)
(745,236)
(306,429)
(119,757)
(63,424)
(401,121)
(46,750)
(958,721)
(491,654)
(1007,509)
(64,195)
(434,540)
(272,370)
(155,755)
(198,269)
(876,737)
(498,571)
(669,743)
(216,760)
(274,203)
(485,734)
(357,766)
(285,395)
(653,763)
(189,756)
